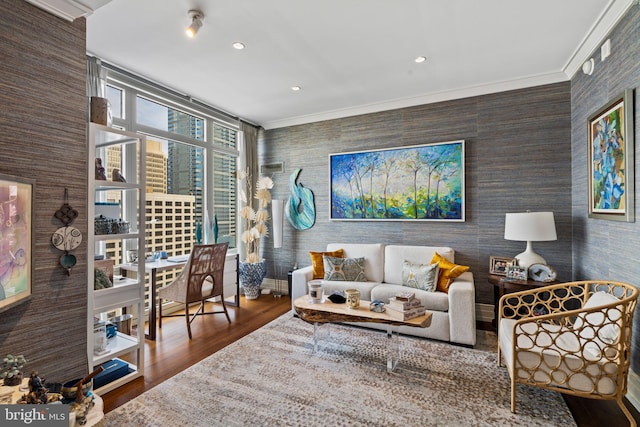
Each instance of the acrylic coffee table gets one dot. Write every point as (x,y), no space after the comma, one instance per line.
(328,312)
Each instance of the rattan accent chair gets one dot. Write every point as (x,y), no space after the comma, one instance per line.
(573,338)
(200,279)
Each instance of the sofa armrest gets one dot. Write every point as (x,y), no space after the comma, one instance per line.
(299,279)
(462,309)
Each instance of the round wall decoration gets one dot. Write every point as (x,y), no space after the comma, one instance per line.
(66,238)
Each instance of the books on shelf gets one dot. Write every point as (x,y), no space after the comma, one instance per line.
(410,313)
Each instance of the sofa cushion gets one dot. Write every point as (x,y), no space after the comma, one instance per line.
(373,254)
(344,269)
(420,276)
(318,263)
(434,301)
(395,255)
(448,271)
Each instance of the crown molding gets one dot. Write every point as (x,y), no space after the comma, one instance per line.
(467,92)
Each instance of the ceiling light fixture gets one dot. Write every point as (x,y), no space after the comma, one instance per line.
(238,45)
(196,22)
(295,88)
(420,59)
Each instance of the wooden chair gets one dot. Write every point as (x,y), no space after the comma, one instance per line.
(573,338)
(200,279)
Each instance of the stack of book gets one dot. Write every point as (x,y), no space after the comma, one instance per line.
(405,306)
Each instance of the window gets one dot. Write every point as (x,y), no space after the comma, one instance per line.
(191,161)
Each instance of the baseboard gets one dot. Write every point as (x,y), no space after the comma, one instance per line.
(484,312)
(273,285)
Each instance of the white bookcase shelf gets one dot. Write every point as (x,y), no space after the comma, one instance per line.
(127,152)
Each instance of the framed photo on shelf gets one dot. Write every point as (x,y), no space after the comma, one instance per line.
(498,265)
(611,160)
(16,204)
(516,272)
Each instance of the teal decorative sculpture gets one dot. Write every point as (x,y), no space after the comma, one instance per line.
(300,209)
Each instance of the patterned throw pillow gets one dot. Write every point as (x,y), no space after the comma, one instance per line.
(344,269)
(318,263)
(420,276)
(448,271)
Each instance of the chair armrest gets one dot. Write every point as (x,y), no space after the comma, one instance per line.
(462,309)
(299,279)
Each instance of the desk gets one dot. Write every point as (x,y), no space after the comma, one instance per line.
(152,268)
(502,286)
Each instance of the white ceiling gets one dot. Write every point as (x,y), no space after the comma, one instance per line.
(349,56)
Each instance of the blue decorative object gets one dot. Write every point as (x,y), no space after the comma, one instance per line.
(251,276)
(198,232)
(300,208)
(216,230)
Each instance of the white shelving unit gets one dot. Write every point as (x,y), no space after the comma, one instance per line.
(128,151)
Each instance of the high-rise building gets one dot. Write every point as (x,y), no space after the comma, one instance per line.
(156,168)
(185,166)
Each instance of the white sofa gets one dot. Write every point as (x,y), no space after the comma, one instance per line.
(454,316)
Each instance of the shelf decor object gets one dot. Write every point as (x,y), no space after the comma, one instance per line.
(415,183)
(611,160)
(16,205)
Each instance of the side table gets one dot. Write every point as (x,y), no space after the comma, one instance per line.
(502,286)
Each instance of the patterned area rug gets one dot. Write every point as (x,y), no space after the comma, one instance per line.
(272,378)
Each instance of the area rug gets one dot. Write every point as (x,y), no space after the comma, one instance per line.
(272,378)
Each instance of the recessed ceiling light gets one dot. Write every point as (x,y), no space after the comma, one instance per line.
(295,88)
(238,45)
(420,59)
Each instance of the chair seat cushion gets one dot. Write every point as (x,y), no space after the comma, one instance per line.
(552,355)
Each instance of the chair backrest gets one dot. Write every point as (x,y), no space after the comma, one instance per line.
(205,262)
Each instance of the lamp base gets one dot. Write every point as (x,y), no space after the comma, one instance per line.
(529,257)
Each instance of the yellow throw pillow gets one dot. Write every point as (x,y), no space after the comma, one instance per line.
(448,271)
(318,264)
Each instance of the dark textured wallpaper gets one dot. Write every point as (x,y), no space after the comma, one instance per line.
(518,158)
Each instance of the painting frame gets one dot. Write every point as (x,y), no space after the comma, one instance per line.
(498,265)
(16,221)
(611,171)
(424,182)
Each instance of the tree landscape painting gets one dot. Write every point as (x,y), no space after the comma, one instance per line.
(421,182)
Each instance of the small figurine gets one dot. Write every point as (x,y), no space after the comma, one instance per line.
(116,176)
(100,173)
(37,392)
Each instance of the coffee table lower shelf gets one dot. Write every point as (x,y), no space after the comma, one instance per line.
(328,312)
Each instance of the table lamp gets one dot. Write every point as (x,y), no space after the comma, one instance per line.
(530,227)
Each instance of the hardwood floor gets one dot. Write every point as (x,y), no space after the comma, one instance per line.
(173,351)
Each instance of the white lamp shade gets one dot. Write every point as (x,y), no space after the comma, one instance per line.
(530,227)
(276,215)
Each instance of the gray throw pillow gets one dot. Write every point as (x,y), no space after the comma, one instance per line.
(420,276)
(344,269)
